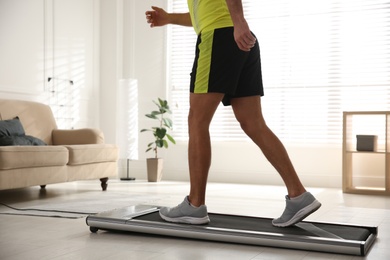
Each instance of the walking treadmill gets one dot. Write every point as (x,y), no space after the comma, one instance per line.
(311,236)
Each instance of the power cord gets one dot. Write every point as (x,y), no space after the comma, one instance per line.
(45,210)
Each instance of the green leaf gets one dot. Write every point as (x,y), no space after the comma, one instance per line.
(151,116)
(161,102)
(150,144)
(167,122)
(165,143)
(161,132)
(170,138)
(163,110)
(156,113)
(144,130)
(147,150)
(160,143)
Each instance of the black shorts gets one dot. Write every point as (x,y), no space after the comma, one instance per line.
(221,67)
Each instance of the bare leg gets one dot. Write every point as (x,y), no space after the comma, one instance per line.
(202,109)
(248,112)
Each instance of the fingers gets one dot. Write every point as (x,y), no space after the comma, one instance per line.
(149,18)
(246,42)
(249,41)
(150,15)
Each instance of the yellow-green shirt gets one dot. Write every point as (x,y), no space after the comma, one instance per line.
(208,15)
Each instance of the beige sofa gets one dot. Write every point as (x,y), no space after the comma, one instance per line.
(69,155)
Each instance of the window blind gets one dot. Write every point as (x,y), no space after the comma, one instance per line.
(319,58)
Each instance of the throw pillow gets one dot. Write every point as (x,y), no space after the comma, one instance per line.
(12,133)
(34,141)
(11,127)
(20,140)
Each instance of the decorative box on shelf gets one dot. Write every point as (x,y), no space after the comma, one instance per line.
(367,143)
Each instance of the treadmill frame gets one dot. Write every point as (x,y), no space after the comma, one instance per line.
(123,219)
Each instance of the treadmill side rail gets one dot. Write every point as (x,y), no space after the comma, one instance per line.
(132,219)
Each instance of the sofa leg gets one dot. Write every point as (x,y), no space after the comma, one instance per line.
(104,183)
(43,186)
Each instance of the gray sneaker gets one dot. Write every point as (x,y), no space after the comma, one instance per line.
(297,209)
(186,213)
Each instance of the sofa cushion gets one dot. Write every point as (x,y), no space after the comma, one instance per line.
(13,157)
(92,153)
(77,136)
(11,127)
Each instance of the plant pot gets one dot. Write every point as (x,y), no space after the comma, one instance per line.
(154,167)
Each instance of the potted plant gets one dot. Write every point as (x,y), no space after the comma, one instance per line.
(161,138)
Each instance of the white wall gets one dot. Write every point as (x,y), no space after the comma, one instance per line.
(21,47)
(56,39)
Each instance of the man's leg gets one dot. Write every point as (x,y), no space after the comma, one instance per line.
(193,209)
(248,112)
(299,203)
(202,109)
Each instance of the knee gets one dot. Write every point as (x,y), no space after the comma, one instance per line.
(196,122)
(191,119)
(247,127)
(253,127)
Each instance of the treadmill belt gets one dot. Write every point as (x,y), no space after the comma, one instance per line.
(264,225)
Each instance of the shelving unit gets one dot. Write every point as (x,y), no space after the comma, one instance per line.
(366,172)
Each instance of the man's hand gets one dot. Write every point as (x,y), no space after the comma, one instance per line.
(157,17)
(243,36)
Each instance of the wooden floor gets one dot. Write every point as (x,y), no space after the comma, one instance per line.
(31,237)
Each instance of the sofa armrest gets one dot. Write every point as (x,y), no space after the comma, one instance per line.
(77,136)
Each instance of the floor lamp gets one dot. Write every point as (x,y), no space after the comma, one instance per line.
(127,178)
(128,122)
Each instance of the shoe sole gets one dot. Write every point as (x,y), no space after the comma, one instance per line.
(300,215)
(186,220)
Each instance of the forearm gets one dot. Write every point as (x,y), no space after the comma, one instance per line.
(183,19)
(236,10)
(242,35)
